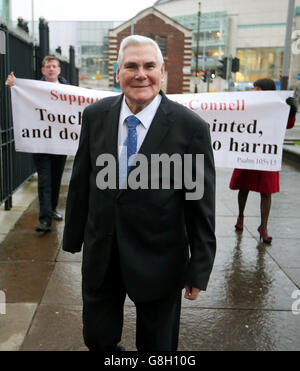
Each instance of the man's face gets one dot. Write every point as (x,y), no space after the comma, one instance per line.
(140,76)
(51,70)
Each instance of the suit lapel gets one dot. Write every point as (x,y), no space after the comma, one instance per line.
(158,130)
(111,127)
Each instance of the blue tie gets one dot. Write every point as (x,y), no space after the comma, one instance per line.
(129,147)
(131,140)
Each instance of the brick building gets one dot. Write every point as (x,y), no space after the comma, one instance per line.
(174,40)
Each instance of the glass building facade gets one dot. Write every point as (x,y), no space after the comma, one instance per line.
(256,63)
(5,10)
(213,37)
(90,41)
(92,46)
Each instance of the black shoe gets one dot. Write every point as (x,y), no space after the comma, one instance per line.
(56,216)
(108,349)
(119,348)
(43,227)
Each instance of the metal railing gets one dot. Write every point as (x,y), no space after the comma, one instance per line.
(20,55)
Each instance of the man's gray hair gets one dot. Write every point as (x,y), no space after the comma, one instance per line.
(138,40)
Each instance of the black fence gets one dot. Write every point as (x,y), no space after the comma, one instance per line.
(20,55)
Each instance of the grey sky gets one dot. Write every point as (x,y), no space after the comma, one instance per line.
(65,10)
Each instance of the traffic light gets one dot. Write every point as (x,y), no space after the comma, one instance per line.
(212,74)
(222,70)
(204,76)
(235,65)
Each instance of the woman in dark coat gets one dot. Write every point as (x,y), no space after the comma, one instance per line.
(264,182)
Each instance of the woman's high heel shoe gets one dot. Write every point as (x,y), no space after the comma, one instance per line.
(239,224)
(263,235)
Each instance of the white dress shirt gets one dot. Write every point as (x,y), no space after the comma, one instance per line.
(145,116)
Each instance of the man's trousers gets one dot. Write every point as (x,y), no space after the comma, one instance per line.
(157,323)
(50,169)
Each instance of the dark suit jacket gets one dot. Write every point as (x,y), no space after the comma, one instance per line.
(164,241)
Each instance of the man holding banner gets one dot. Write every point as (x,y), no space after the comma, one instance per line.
(49,167)
(147,243)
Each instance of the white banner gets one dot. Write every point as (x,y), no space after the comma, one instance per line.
(247,128)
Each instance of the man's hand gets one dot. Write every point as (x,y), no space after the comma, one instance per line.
(191,293)
(10,81)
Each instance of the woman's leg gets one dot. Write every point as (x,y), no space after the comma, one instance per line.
(242,199)
(265,206)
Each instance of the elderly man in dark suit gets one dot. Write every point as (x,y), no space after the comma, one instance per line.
(145,242)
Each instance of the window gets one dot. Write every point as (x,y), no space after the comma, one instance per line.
(162,42)
(257,63)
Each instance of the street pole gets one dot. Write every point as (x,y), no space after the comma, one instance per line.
(197,46)
(32,18)
(228,72)
(287,49)
(208,80)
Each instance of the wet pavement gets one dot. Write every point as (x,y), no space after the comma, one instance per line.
(248,304)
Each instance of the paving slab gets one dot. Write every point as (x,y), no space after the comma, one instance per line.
(8,220)
(238,330)
(285,252)
(225,226)
(64,256)
(55,327)
(245,277)
(64,286)
(294,275)
(14,325)
(287,228)
(24,281)
(21,200)
(26,244)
